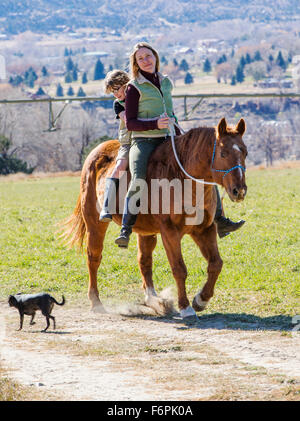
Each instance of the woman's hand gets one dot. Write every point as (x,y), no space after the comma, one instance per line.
(163,123)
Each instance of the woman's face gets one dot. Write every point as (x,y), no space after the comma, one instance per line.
(145,60)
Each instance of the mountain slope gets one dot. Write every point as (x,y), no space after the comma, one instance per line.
(45,16)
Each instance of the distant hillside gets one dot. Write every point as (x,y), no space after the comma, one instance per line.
(44,16)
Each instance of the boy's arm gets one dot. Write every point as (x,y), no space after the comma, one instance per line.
(118,108)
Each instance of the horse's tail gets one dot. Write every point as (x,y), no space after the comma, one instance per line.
(73,228)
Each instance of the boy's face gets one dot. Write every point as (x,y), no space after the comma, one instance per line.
(119,93)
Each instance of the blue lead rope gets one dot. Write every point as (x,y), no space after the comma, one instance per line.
(224,171)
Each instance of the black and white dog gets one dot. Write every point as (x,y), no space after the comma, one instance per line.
(29,303)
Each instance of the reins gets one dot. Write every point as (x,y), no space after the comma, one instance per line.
(172,131)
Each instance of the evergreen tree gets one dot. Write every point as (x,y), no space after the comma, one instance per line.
(222,59)
(188,79)
(75,74)
(9,164)
(242,62)
(40,91)
(280,61)
(248,58)
(44,71)
(66,53)
(69,65)
(233,80)
(271,58)
(84,78)
(16,81)
(81,92)
(68,78)
(70,91)
(164,60)
(99,70)
(240,77)
(59,90)
(207,66)
(184,65)
(257,56)
(175,62)
(30,77)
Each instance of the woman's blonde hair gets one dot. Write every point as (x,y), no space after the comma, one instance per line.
(134,68)
(114,80)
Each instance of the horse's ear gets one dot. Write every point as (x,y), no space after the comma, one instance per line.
(222,127)
(241,127)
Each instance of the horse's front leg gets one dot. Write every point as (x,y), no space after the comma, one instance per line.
(207,242)
(172,242)
(146,245)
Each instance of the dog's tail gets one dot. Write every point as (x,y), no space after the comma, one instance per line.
(60,304)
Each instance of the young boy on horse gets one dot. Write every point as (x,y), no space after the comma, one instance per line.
(115,82)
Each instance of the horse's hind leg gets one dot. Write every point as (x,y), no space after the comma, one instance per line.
(146,245)
(207,242)
(95,238)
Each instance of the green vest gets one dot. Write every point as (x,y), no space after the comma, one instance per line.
(152,104)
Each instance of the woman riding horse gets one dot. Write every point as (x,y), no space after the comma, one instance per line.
(149,108)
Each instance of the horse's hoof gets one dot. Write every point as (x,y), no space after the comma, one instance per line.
(188,315)
(98,309)
(198,304)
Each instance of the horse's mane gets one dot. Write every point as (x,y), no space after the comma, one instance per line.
(196,145)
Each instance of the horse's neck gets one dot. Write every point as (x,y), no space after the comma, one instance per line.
(196,152)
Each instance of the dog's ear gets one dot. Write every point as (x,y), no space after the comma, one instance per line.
(12,300)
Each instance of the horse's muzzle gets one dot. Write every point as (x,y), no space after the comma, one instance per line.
(237,194)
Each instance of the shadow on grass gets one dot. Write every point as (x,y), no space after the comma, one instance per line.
(230,321)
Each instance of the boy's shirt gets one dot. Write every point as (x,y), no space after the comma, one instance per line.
(124,134)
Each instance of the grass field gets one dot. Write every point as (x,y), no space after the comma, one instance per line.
(260,276)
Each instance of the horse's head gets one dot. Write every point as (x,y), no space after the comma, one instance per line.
(229,159)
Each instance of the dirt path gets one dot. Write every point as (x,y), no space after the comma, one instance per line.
(116,357)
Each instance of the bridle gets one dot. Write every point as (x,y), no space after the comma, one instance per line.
(172,130)
(224,171)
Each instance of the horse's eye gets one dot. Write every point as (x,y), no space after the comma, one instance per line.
(223,154)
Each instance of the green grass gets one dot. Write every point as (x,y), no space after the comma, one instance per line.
(260,276)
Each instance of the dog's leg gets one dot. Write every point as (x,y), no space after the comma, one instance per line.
(31,321)
(48,324)
(53,318)
(21,321)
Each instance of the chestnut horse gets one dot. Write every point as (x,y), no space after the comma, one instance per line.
(216,155)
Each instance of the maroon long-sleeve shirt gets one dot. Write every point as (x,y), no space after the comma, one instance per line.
(132,106)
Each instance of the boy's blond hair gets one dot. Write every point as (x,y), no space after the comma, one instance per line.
(115,79)
(134,68)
